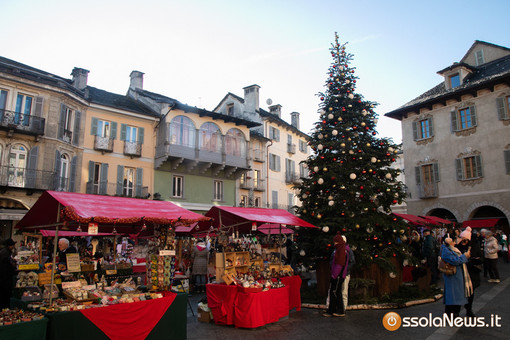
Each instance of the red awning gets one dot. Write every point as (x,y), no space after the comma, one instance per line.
(113,210)
(437,219)
(64,233)
(242,218)
(416,220)
(488,223)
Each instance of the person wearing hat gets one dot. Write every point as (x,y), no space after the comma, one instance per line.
(338,272)
(7,272)
(458,286)
(469,241)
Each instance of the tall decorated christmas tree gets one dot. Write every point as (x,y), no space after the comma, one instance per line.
(351,185)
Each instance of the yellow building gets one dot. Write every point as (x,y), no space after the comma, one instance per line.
(118,146)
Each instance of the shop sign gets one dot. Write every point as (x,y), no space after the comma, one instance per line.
(93,228)
(167,253)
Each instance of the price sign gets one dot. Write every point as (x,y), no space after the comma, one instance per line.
(93,228)
(73,263)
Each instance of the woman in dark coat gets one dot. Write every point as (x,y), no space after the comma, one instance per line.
(474,264)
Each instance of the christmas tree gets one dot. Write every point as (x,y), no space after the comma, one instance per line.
(351,185)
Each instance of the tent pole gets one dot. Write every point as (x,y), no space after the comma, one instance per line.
(55,245)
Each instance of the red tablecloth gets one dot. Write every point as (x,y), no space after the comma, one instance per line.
(294,284)
(258,309)
(250,310)
(221,299)
(129,320)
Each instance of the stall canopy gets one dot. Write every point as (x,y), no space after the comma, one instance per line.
(105,210)
(487,223)
(437,219)
(416,220)
(242,219)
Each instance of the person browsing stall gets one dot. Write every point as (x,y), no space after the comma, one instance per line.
(64,248)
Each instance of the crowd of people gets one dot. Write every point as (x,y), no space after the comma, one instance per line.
(472,254)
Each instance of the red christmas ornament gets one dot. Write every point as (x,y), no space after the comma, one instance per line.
(361,187)
(374,133)
(364,172)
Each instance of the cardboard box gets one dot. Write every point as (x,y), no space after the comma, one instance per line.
(204,316)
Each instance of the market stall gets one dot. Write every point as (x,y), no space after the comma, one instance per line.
(127,219)
(253,286)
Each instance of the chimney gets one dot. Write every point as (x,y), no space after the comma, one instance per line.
(276,110)
(136,80)
(294,119)
(80,77)
(251,98)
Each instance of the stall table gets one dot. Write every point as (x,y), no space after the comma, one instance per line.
(151,319)
(32,330)
(230,306)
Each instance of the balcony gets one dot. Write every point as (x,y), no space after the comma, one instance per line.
(428,190)
(292,178)
(67,136)
(291,148)
(24,178)
(133,149)
(250,184)
(193,158)
(104,144)
(18,122)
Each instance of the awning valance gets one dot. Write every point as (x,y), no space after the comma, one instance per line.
(436,220)
(486,223)
(416,220)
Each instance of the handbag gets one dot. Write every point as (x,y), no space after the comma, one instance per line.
(446,268)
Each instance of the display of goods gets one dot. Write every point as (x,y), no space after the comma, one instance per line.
(162,269)
(13,316)
(25,279)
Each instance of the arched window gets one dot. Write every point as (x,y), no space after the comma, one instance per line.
(17,165)
(210,137)
(235,143)
(182,131)
(64,173)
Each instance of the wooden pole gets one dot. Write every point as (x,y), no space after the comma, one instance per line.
(55,245)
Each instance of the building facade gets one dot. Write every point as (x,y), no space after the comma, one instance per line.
(276,155)
(40,138)
(456,139)
(199,154)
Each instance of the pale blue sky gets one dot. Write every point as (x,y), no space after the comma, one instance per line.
(197,50)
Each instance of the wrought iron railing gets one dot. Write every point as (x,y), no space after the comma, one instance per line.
(27,178)
(132,149)
(103,143)
(22,122)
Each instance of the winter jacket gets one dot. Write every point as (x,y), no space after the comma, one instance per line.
(453,284)
(491,248)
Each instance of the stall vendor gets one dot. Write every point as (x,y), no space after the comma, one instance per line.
(64,248)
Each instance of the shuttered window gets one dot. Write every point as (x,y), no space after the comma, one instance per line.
(503,107)
(468,167)
(464,118)
(423,129)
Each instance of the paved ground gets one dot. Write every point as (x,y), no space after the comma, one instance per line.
(490,300)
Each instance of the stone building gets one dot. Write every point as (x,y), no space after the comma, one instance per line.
(456,140)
